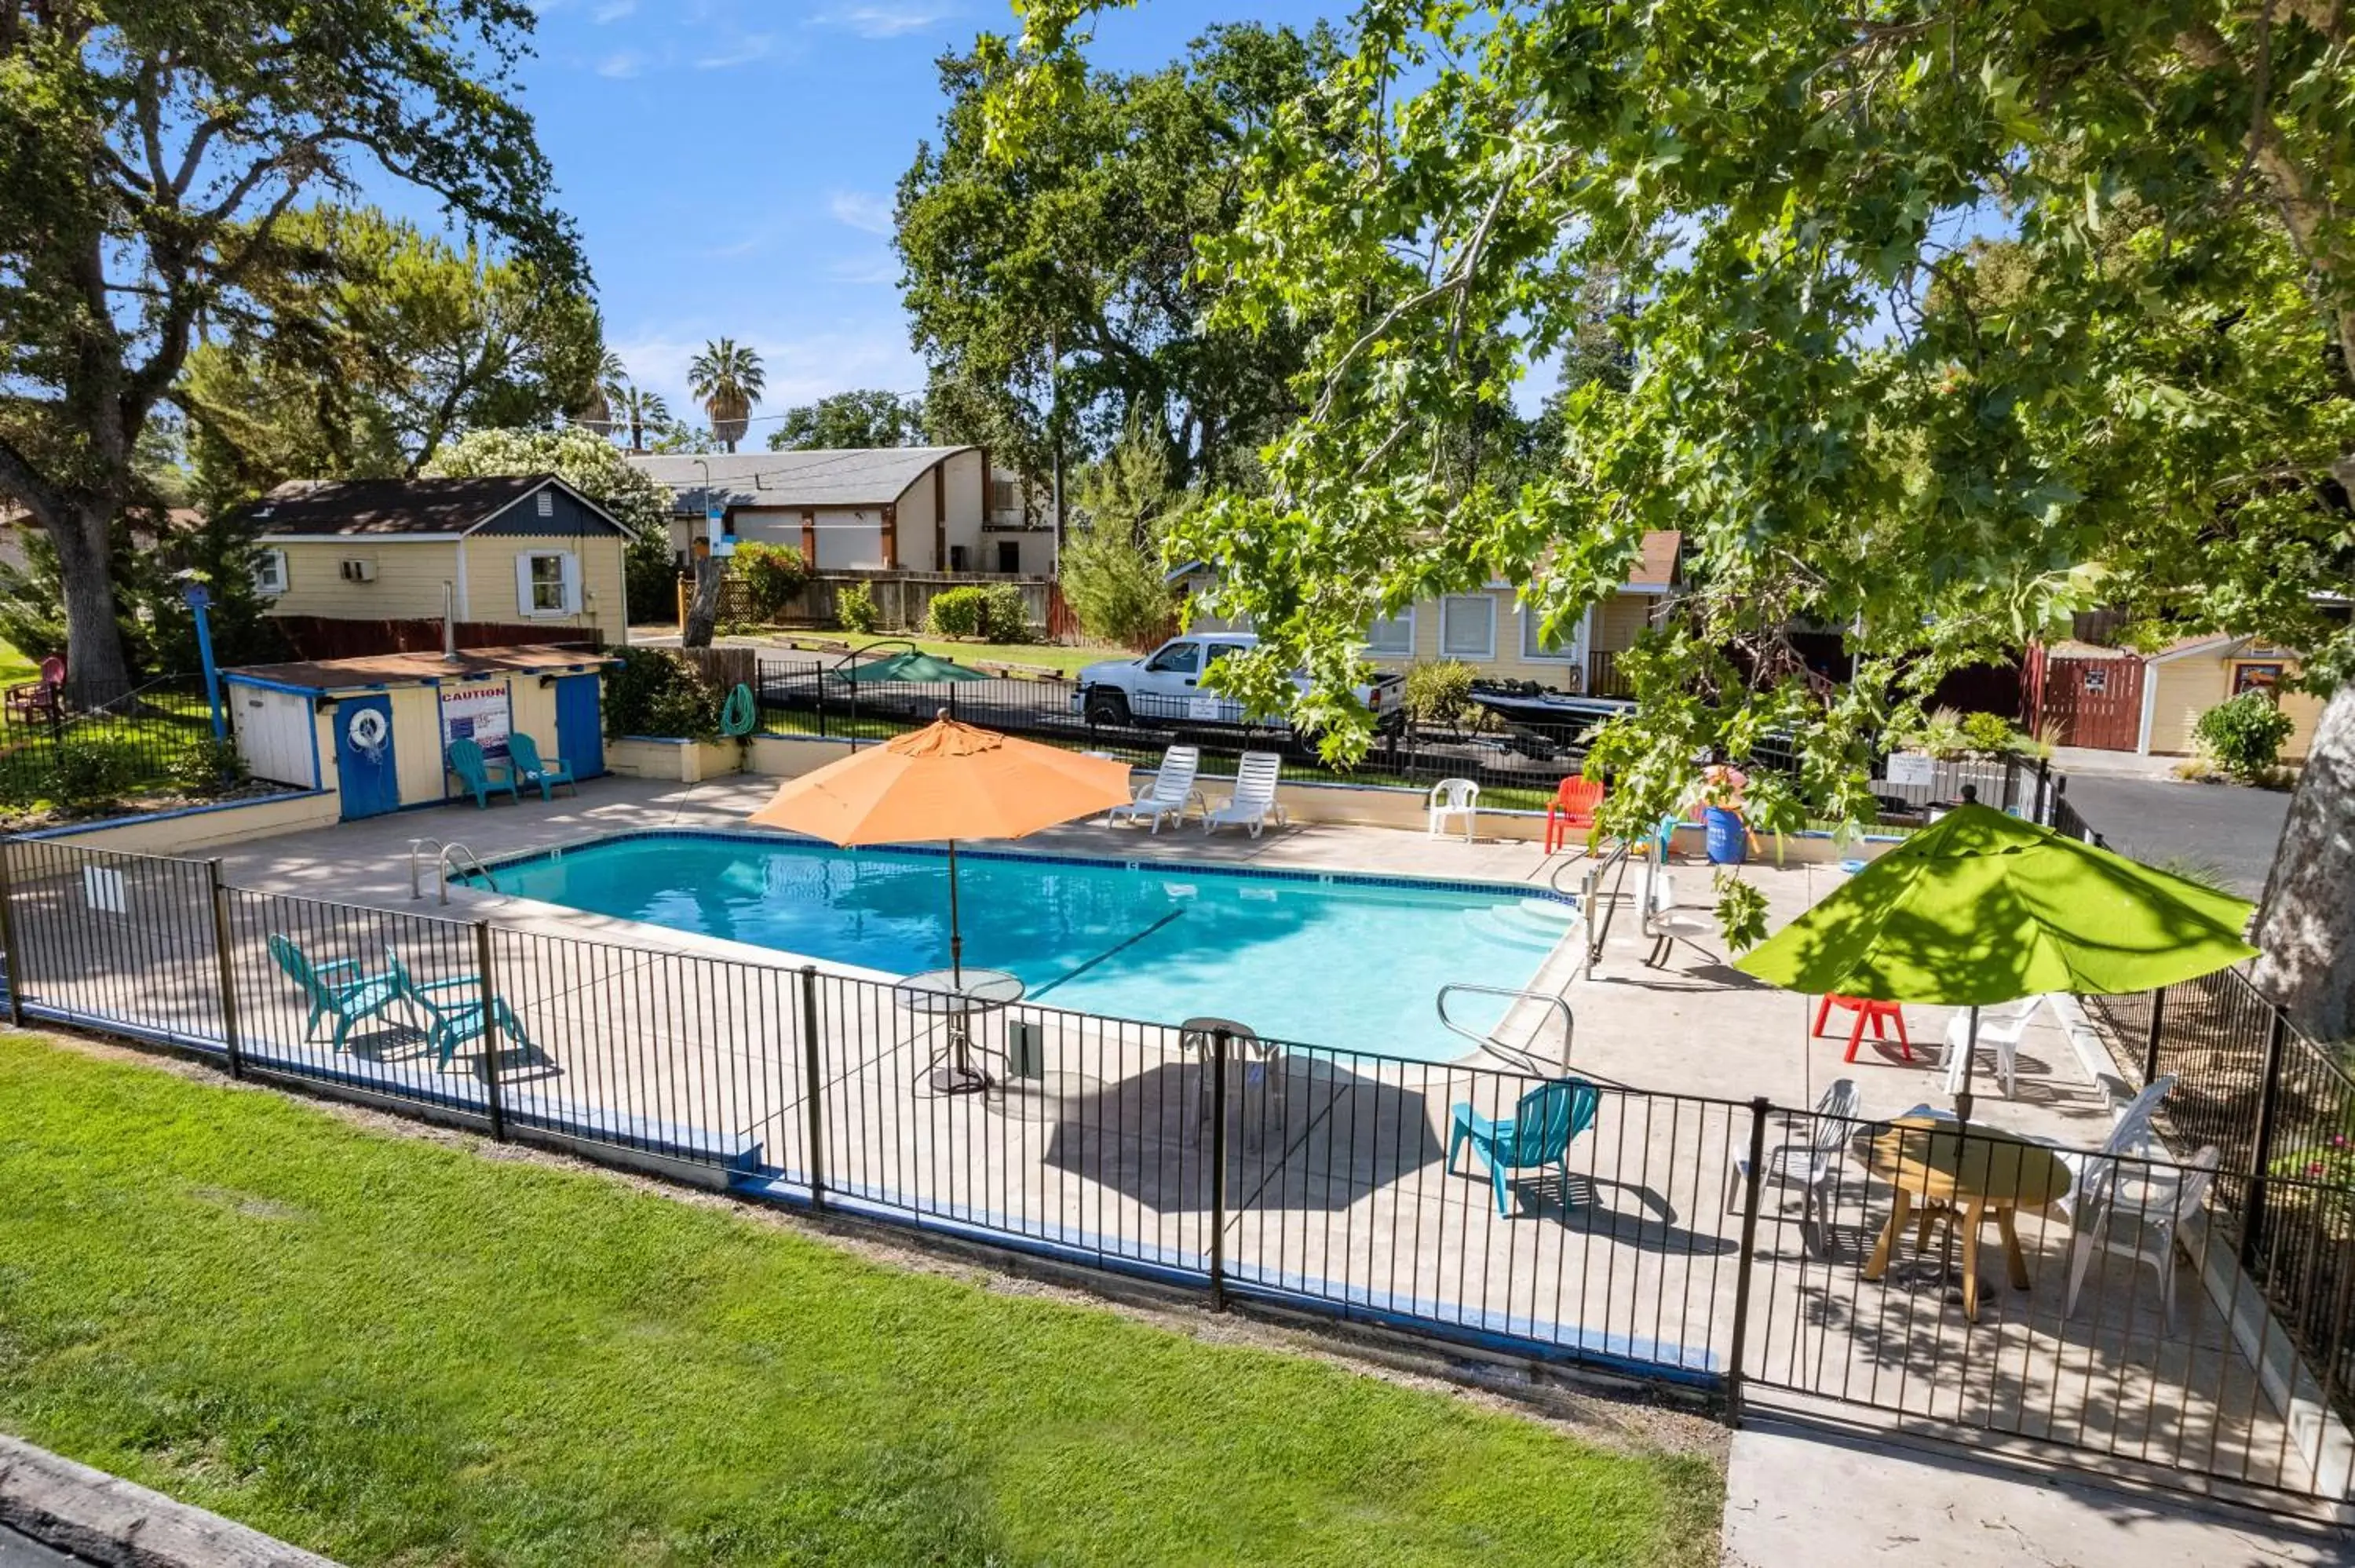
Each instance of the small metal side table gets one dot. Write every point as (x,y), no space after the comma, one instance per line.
(945,995)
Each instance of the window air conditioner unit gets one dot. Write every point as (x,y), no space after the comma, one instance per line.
(360,571)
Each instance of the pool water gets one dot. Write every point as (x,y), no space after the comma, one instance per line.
(1354,962)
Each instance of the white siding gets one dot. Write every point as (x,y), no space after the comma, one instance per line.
(274,733)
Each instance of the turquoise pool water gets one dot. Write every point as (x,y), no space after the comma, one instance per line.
(1344,961)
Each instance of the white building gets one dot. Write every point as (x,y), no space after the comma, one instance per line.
(870,509)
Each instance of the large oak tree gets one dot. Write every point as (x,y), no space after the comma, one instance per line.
(149,151)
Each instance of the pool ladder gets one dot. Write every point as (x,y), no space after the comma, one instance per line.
(1489,1043)
(447,858)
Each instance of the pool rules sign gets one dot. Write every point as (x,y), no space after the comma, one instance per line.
(478,714)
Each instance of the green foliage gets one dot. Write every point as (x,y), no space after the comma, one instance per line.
(1110,569)
(653,691)
(959,612)
(149,552)
(994,612)
(1990,734)
(773,576)
(861,419)
(854,606)
(727,378)
(2244,734)
(206,766)
(1439,694)
(92,771)
(1080,244)
(592,466)
(1741,911)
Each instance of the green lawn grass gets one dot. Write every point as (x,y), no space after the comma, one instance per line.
(393,1349)
(15,667)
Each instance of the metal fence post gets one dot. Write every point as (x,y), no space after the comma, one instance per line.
(1747,1261)
(814,1094)
(490,1031)
(1219,1043)
(2150,1045)
(228,970)
(11,953)
(2268,1097)
(2043,814)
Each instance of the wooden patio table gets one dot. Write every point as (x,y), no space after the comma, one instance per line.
(1934,1164)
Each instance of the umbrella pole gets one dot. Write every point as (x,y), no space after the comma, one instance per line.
(1970,1060)
(956,936)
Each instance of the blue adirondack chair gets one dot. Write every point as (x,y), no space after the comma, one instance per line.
(1536,1134)
(338,989)
(523,754)
(479,774)
(453,1009)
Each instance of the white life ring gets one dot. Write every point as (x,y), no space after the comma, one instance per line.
(368,731)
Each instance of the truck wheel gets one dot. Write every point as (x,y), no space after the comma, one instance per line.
(1107,708)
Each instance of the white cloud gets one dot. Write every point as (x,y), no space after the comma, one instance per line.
(742,49)
(886,20)
(883,267)
(801,368)
(626,64)
(862,209)
(613,11)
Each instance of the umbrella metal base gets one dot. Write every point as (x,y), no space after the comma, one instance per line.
(949,1078)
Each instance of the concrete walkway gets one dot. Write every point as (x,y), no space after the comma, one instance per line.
(1802,1496)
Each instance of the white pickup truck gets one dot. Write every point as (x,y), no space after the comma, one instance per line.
(1166,687)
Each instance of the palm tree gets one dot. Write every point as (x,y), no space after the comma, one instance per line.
(640,412)
(605,389)
(728,379)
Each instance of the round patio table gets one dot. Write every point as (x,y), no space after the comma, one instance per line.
(941,993)
(1933,1163)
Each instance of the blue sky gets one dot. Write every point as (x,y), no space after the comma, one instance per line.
(731,165)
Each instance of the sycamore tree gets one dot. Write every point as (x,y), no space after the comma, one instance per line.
(148,154)
(869,417)
(1941,321)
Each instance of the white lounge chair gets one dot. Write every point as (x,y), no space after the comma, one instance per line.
(1253,802)
(2142,1225)
(1667,925)
(1453,798)
(1170,792)
(2002,1031)
(1810,1162)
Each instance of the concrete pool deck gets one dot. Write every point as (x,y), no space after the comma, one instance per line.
(1335,1185)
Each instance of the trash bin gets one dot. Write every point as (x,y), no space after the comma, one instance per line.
(1727,841)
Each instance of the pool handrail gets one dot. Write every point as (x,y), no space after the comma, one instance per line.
(1490,1041)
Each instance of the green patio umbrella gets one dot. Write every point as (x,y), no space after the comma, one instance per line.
(910,668)
(1981,907)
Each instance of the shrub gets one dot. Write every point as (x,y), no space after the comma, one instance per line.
(2244,734)
(91,772)
(1114,586)
(207,767)
(854,608)
(1006,616)
(1989,733)
(1439,694)
(773,576)
(653,691)
(960,612)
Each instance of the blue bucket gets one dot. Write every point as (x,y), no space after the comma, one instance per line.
(1728,843)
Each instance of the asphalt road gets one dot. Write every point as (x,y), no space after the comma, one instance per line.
(23,1551)
(2226,826)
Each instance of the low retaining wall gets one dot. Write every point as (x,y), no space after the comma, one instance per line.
(187,829)
(671,759)
(105,1518)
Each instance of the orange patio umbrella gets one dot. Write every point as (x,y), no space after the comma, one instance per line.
(947,780)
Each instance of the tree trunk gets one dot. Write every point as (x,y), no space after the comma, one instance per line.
(96,670)
(2305,924)
(703,606)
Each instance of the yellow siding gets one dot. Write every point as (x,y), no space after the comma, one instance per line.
(1619,619)
(417,742)
(1613,625)
(491,582)
(2186,688)
(532,708)
(409,579)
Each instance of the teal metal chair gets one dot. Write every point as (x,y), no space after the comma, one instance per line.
(1537,1134)
(454,1010)
(338,988)
(477,773)
(526,768)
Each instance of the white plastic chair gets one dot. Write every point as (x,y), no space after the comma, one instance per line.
(1453,798)
(1253,802)
(2001,1031)
(1809,1164)
(2142,1225)
(1170,793)
(1667,925)
(2130,1137)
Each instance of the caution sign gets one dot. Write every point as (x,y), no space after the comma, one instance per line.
(478,714)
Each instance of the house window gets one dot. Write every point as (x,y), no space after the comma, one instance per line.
(1468,626)
(1001,495)
(1009,557)
(548,582)
(270,573)
(1393,636)
(1570,649)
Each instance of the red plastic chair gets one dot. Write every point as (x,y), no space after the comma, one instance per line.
(1877,1014)
(1571,809)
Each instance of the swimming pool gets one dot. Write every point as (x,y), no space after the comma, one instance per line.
(1350,962)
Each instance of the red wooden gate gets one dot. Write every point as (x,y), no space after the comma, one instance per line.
(2095,702)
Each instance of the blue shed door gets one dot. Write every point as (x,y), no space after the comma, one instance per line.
(580,725)
(371,785)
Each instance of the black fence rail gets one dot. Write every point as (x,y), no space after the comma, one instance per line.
(157,738)
(1731,1250)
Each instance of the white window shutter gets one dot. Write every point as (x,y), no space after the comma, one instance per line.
(523,583)
(571,583)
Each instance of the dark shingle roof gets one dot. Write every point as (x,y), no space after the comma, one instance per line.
(385,506)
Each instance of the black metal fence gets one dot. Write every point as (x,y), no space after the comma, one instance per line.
(1732,1249)
(158,738)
